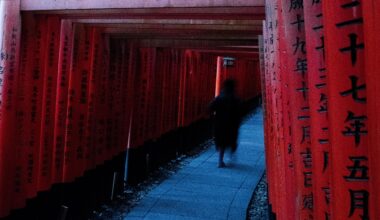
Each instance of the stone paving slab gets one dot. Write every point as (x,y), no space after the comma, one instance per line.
(201,191)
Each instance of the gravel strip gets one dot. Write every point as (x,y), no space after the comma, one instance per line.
(258,207)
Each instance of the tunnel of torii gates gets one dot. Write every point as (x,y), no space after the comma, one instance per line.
(83,81)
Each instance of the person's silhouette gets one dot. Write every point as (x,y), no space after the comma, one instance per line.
(227,117)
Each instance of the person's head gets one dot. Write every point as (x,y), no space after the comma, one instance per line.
(229,85)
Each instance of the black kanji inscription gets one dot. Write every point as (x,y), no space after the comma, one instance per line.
(354,46)
(359,200)
(355,88)
(358,172)
(356,126)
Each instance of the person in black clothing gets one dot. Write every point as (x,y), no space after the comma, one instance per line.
(227,117)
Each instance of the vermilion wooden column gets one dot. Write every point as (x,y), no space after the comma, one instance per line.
(202,68)
(297,72)
(125,90)
(188,110)
(348,116)
(100,102)
(94,85)
(112,96)
(269,151)
(149,69)
(131,87)
(318,98)
(10,29)
(288,203)
(26,50)
(107,88)
(175,82)
(207,72)
(218,75)
(182,86)
(284,157)
(273,93)
(174,87)
(186,87)
(157,92)
(140,110)
(38,90)
(117,136)
(167,103)
(125,111)
(372,35)
(63,74)
(118,102)
(279,89)
(266,107)
(49,97)
(71,163)
(77,105)
(29,104)
(170,76)
(192,90)
(210,87)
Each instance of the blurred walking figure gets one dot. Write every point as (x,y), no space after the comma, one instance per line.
(227,118)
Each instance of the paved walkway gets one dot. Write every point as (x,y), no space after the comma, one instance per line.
(200,190)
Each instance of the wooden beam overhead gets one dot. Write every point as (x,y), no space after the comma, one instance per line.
(28,5)
(214,22)
(190,43)
(166,22)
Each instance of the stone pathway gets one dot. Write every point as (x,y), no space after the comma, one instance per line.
(200,190)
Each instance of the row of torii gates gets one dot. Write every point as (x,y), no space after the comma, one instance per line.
(320,84)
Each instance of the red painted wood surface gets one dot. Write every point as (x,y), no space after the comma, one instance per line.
(26,50)
(182,86)
(278,137)
(113,91)
(141,97)
(77,105)
(11,170)
(106,113)
(318,99)
(155,93)
(94,85)
(268,117)
(219,67)
(48,101)
(186,82)
(124,93)
(118,125)
(100,102)
(131,88)
(352,127)
(282,158)
(371,17)
(209,83)
(348,118)
(287,189)
(32,104)
(163,65)
(296,62)
(177,58)
(63,76)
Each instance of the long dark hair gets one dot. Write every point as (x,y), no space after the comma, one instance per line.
(229,86)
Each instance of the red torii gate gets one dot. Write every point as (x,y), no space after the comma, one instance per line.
(73,42)
(342,107)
